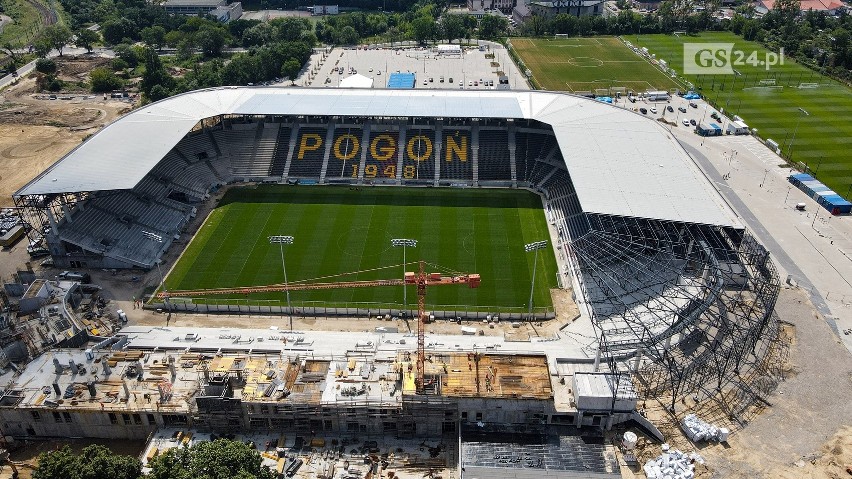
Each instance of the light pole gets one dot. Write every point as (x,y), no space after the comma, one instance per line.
(281,241)
(535,246)
(154,237)
(795,130)
(405,243)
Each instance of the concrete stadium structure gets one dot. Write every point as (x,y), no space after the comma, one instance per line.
(678,291)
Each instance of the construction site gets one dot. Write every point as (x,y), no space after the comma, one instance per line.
(673,335)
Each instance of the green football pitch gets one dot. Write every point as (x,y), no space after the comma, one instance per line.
(343,234)
(589,64)
(769,98)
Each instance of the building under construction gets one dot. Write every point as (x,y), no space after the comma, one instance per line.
(128,393)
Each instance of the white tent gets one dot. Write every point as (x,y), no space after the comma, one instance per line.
(356,81)
(449,49)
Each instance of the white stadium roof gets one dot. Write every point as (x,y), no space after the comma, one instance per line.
(620,162)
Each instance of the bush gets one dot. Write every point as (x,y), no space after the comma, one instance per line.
(46,66)
(119,64)
(104,80)
(54,84)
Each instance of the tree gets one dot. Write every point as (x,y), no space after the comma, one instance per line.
(220,459)
(347,36)
(12,51)
(155,73)
(493,26)
(154,36)
(117,29)
(46,66)
(565,24)
(158,93)
(536,26)
(104,80)
(126,53)
(423,28)
(57,36)
(211,40)
(86,38)
(453,27)
(42,47)
(291,69)
(94,462)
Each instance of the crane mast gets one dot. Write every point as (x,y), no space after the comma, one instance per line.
(420,279)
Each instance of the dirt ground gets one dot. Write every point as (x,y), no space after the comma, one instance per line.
(35,131)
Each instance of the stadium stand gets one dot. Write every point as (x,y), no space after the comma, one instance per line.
(382,154)
(250,148)
(494,162)
(279,158)
(196,146)
(418,159)
(345,158)
(309,152)
(456,154)
(536,152)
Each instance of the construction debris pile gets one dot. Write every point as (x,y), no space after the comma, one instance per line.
(697,430)
(672,464)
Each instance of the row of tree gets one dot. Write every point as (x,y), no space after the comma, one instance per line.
(425,23)
(219,459)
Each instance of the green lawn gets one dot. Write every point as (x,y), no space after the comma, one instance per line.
(337,231)
(587,64)
(824,138)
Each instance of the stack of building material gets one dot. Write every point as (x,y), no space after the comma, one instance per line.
(698,430)
(672,464)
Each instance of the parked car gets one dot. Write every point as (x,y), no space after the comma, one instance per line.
(685,122)
(692,122)
(681,109)
(670,109)
(653,109)
(643,111)
(693,105)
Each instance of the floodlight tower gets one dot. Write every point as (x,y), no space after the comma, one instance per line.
(534,246)
(156,239)
(405,243)
(281,241)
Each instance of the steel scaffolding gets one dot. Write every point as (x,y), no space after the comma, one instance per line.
(685,308)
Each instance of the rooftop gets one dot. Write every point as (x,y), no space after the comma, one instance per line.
(124,381)
(620,162)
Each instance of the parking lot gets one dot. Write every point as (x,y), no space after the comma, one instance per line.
(466,71)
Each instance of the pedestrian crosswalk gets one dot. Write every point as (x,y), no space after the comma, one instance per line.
(755,147)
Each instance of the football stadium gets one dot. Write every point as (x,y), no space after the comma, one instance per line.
(515,188)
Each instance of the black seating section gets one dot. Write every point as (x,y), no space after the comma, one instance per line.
(308,153)
(494,155)
(456,155)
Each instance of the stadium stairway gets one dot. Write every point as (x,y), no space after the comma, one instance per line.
(329,139)
(279,158)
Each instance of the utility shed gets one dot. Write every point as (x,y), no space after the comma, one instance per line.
(823,195)
(604,392)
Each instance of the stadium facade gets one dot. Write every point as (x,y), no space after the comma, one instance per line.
(677,289)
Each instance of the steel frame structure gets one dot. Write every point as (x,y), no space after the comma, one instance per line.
(685,308)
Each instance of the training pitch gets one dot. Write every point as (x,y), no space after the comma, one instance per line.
(589,64)
(769,100)
(339,230)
